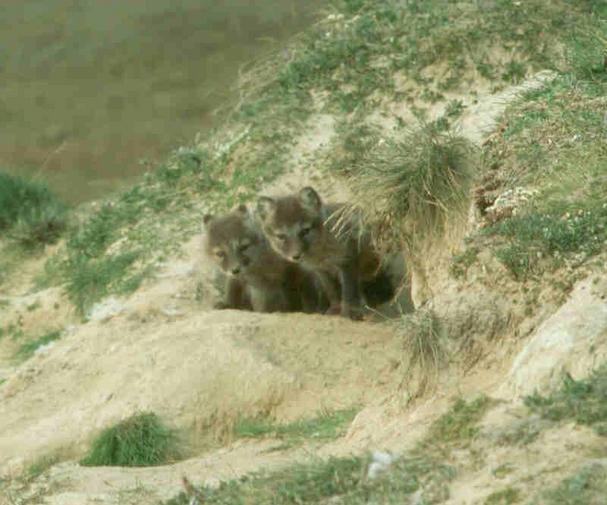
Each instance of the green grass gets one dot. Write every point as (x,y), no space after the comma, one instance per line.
(537,239)
(551,142)
(328,425)
(587,487)
(336,480)
(28,349)
(30,214)
(459,424)
(140,440)
(584,401)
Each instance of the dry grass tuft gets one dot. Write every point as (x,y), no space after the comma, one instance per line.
(425,350)
(409,189)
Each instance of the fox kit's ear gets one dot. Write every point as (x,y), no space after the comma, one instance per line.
(206,219)
(309,198)
(266,208)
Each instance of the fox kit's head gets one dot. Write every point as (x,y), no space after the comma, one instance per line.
(233,241)
(293,224)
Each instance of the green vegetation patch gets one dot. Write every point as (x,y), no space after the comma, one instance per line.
(336,480)
(30,214)
(28,349)
(584,401)
(553,142)
(539,239)
(328,425)
(358,50)
(587,487)
(140,440)
(459,424)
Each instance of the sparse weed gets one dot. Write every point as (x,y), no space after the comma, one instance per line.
(140,440)
(584,401)
(328,425)
(41,465)
(28,349)
(336,480)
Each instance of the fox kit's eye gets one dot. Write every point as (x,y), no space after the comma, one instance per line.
(281,236)
(244,246)
(220,254)
(305,230)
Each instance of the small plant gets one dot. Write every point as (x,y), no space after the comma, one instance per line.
(585,401)
(461,262)
(28,349)
(30,213)
(424,346)
(140,440)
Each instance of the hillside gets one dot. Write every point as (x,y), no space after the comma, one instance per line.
(472,138)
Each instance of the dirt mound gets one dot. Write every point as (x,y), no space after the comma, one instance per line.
(199,373)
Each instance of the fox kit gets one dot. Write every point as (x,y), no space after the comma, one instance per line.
(257,277)
(300,228)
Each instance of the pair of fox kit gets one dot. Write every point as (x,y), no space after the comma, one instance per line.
(288,258)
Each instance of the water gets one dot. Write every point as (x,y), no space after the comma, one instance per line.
(89,88)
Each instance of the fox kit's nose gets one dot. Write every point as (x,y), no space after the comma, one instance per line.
(235,271)
(296,257)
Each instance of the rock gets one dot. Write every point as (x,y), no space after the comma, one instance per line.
(574,339)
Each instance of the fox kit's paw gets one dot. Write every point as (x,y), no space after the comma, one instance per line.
(353,312)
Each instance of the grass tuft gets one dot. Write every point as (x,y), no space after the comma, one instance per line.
(584,401)
(30,214)
(410,188)
(424,346)
(140,440)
